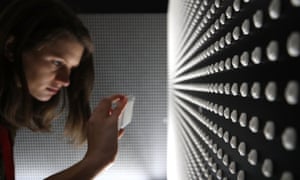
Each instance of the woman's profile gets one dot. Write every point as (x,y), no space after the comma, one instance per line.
(46,65)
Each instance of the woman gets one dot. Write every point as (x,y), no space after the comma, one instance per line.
(45,65)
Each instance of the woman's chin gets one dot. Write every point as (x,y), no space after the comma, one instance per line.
(43,98)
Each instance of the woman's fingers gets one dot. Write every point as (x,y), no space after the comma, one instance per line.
(103,108)
(121,133)
(116,97)
(120,105)
(105,111)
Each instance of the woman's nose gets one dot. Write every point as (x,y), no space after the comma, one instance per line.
(63,77)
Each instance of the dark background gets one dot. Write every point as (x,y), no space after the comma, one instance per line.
(113,6)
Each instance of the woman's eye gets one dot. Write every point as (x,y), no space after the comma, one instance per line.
(57,63)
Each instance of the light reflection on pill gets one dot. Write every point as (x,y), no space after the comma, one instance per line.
(271,91)
(242,149)
(286,175)
(292,92)
(233,142)
(274,9)
(246,27)
(241,175)
(255,90)
(232,167)
(293,44)
(258,19)
(289,138)
(267,168)
(254,124)
(252,157)
(273,51)
(256,55)
(295,3)
(269,130)
(244,89)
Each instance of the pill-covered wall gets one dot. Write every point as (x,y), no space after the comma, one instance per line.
(234,89)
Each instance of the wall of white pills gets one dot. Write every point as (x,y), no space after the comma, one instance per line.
(234,87)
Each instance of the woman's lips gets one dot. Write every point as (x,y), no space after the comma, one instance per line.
(53,90)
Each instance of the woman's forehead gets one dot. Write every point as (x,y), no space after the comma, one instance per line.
(64,47)
(53,39)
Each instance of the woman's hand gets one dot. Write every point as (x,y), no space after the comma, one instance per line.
(103,131)
(102,139)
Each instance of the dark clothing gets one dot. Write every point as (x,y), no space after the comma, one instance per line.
(7,171)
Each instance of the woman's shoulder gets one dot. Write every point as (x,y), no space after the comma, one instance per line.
(3,124)
(3,129)
(6,129)
(6,153)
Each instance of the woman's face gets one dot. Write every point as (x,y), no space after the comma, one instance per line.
(47,69)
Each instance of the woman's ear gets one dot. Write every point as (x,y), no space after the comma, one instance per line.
(9,48)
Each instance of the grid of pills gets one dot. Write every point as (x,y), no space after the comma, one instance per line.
(235,87)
